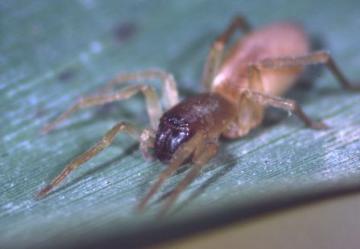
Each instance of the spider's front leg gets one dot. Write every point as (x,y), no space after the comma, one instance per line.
(201,152)
(178,158)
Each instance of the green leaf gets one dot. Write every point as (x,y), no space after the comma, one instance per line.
(53,52)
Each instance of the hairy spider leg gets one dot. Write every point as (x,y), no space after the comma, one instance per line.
(152,103)
(179,157)
(169,86)
(201,156)
(103,143)
(320,57)
(216,53)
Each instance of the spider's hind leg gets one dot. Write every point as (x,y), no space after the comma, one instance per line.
(320,57)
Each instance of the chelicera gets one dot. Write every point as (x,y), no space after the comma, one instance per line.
(240,82)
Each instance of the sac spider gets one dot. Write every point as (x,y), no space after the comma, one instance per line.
(240,82)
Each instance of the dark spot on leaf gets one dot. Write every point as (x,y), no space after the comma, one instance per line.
(39,112)
(124,31)
(67,75)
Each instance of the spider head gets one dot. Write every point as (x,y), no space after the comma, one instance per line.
(172,132)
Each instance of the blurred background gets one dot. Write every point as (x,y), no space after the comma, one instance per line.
(52,52)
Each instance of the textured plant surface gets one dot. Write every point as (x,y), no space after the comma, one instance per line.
(52,52)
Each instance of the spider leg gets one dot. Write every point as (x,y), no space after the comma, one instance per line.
(103,143)
(169,88)
(152,103)
(277,102)
(178,158)
(319,57)
(216,54)
(285,104)
(201,156)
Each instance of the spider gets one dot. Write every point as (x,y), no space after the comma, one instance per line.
(240,82)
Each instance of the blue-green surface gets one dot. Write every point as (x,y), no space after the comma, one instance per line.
(51,52)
